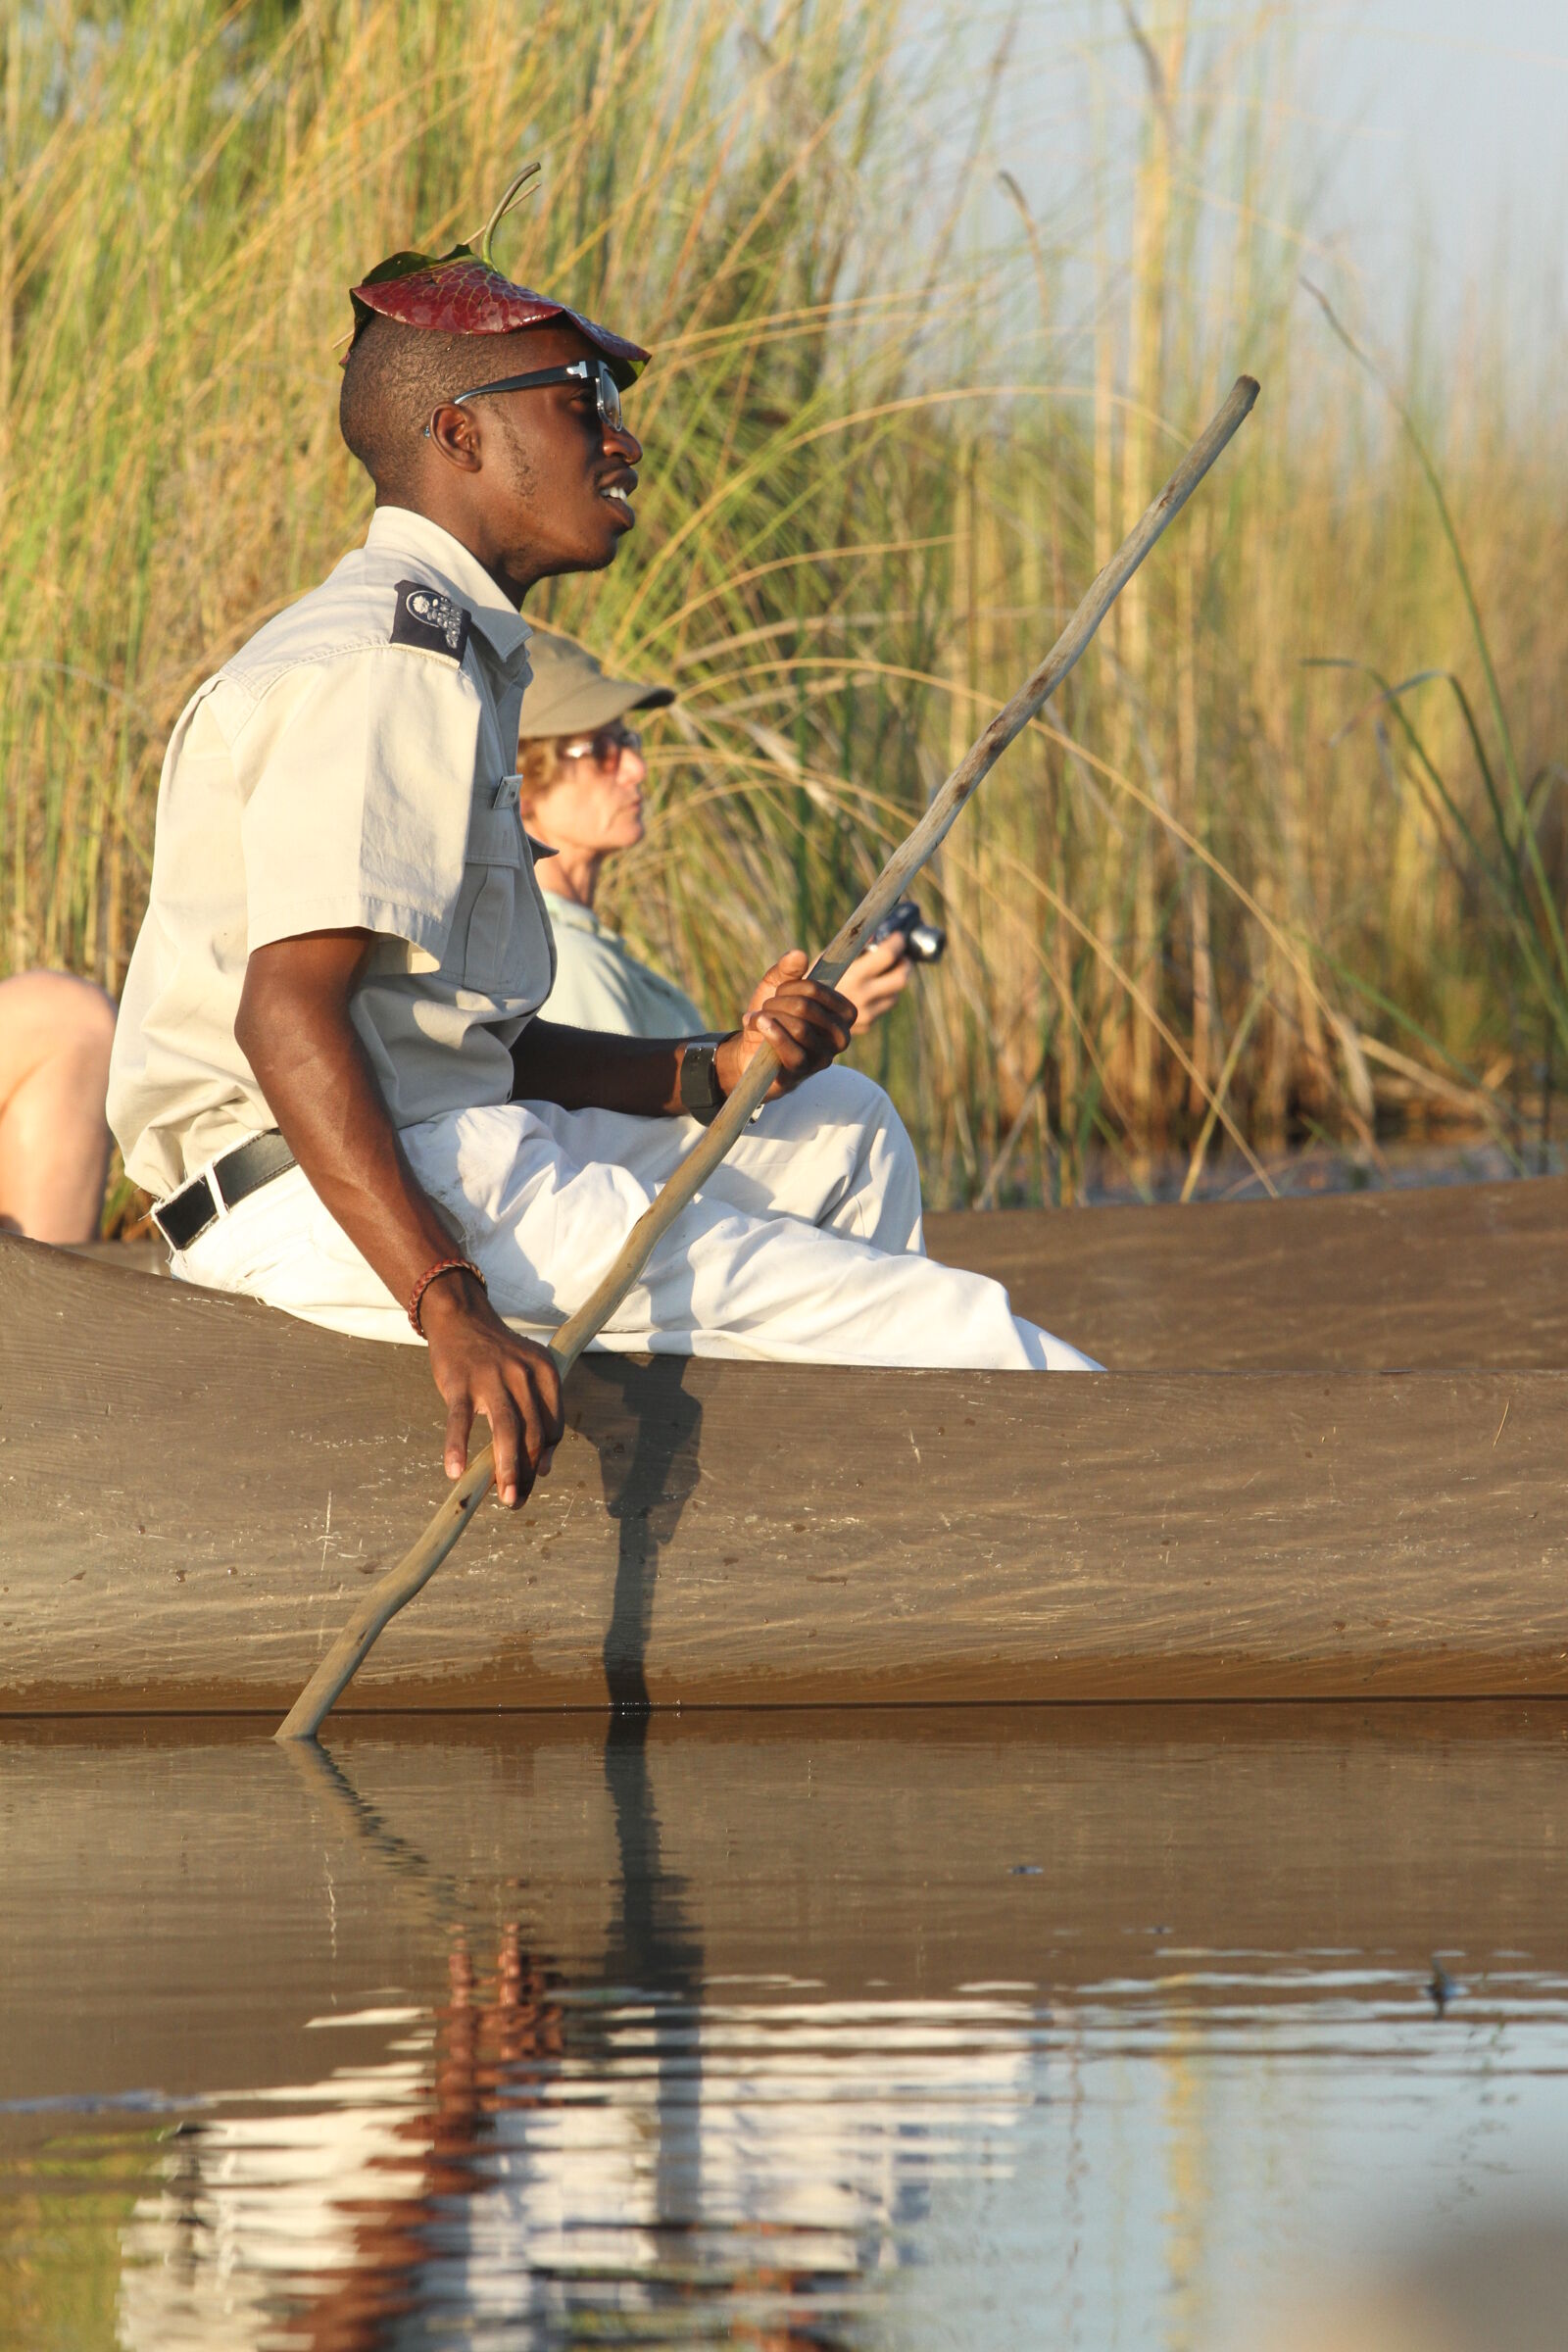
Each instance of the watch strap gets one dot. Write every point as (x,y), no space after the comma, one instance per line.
(702,1098)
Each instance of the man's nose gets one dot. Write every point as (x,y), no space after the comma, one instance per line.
(633,766)
(624,443)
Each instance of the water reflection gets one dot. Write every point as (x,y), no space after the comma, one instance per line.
(818,2034)
(532,2158)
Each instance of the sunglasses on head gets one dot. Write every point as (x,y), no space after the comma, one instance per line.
(576,372)
(604,748)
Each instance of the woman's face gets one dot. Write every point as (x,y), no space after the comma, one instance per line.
(596,803)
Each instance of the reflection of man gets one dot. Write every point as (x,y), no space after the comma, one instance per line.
(327,1064)
(539,2165)
(326,2205)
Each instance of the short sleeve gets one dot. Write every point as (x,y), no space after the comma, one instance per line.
(356,778)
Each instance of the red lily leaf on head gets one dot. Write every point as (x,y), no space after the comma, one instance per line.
(464,293)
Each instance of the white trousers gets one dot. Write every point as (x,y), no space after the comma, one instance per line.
(805,1246)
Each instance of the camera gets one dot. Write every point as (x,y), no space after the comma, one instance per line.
(923,941)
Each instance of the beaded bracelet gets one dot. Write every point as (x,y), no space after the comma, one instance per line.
(447,1265)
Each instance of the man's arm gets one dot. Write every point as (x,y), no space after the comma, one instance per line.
(584,1069)
(294,1029)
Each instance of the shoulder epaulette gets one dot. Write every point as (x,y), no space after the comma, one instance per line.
(430,620)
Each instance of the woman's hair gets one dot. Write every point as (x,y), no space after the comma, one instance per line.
(540,766)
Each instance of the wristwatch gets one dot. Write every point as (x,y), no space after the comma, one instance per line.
(701,1095)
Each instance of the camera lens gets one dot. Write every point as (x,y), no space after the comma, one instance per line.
(898,918)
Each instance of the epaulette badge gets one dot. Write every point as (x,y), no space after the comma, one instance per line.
(433,623)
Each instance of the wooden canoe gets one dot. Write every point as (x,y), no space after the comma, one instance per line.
(1457,1275)
(192,1488)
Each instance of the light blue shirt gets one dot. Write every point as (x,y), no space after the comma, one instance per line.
(600,985)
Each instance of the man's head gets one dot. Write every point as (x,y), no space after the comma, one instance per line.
(533,482)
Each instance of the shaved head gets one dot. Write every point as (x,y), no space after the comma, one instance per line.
(533,482)
(396,378)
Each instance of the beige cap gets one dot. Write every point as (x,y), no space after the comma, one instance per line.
(570,693)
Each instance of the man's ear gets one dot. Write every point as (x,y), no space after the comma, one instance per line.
(458,436)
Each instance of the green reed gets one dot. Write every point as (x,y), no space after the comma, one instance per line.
(890,435)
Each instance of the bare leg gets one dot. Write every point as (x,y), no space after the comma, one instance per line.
(55,1036)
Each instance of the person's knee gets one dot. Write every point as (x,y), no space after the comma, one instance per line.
(86,1031)
(852,1099)
(846,1097)
(55,1038)
(54,1016)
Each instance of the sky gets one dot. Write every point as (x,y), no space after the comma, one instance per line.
(1434,133)
(1455,113)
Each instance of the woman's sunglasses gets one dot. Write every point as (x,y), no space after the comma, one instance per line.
(576,372)
(605,748)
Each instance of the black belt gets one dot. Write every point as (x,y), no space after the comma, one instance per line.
(227,1181)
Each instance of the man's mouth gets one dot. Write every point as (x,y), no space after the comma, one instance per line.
(617,490)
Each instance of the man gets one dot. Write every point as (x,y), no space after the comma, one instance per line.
(327,1066)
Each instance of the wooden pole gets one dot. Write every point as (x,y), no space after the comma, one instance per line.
(399,1585)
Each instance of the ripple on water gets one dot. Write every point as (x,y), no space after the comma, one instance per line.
(499,2039)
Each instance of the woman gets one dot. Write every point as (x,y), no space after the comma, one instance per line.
(582,773)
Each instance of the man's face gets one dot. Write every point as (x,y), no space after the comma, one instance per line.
(546,484)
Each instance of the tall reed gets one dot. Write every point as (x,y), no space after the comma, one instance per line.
(892,422)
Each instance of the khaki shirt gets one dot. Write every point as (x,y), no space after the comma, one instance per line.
(353,767)
(600,985)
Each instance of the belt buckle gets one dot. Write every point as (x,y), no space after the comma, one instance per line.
(164,1235)
(217,1208)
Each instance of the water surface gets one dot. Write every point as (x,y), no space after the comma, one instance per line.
(1089,2028)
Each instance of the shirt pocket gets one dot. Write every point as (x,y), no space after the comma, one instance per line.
(490,886)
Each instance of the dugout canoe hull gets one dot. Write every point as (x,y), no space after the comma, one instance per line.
(1458,1275)
(193,1491)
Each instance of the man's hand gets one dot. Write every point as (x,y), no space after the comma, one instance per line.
(295,1029)
(582,1069)
(480,1367)
(878,979)
(807,1025)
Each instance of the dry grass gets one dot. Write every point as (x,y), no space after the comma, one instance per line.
(888,441)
